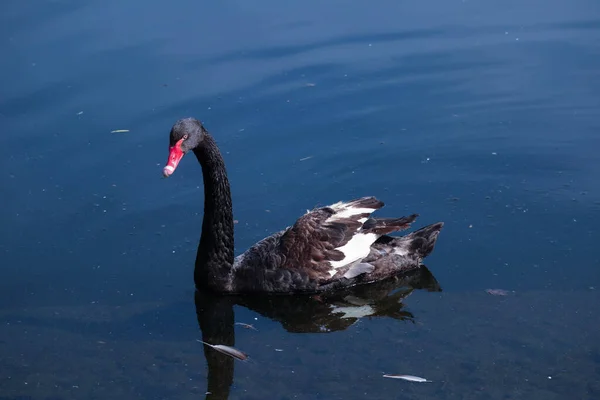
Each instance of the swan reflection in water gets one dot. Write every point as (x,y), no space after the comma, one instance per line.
(323,313)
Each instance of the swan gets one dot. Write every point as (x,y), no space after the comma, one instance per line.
(328,248)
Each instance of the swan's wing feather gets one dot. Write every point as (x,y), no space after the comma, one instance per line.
(327,244)
(329,238)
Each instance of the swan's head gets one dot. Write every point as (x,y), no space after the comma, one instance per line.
(186,135)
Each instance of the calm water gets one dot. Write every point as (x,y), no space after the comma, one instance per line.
(482,114)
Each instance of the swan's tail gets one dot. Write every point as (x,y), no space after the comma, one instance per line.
(421,242)
(416,245)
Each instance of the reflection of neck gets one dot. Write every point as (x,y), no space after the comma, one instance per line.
(216,321)
(215,250)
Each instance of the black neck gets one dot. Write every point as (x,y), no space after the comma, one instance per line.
(214,258)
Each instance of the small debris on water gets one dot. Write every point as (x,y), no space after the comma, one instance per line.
(120,131)
(247,326)
(235,221)
(306,158)
(497,292)
(410,378)
(278,350)
(80,112)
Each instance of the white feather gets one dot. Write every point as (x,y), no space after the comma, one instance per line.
(339,205)
(345,210)
(410,378)
(357,248)
(350,211)
(358,269)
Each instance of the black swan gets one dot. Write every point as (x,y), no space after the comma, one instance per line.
(327,248)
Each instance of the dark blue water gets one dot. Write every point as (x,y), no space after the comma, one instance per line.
(482,114)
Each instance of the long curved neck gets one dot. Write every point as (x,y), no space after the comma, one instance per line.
(214,258)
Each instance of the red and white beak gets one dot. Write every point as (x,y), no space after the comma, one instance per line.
(175,155)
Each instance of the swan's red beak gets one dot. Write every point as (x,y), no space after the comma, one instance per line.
(175,155)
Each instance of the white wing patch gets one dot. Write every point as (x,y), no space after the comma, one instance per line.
(350,211)
(357,248)
(360,245)
(345,210)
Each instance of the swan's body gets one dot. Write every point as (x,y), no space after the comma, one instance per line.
(327,248)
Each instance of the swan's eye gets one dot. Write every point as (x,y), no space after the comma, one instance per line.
(185,136)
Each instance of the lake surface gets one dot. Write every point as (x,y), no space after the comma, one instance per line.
(481,114)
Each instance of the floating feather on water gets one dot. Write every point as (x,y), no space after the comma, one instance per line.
(411,378)
(497,292)
(228,350)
